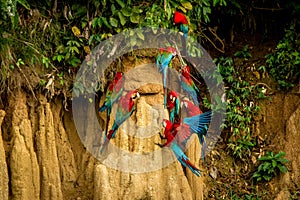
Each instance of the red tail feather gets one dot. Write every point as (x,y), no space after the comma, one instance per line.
(190,164)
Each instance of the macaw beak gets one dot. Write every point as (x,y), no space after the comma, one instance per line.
(164,124)
(135,95)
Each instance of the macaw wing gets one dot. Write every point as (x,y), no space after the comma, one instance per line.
(185,29)
(165,60)
(183,133)
(116,94)
(198,123)
(158,62)
(122,115)
(191,89)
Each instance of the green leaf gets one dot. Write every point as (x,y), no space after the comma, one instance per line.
(137,10)
(105,22)
(280,154)
(266,166)
(122,18)
(113,9)
(267,177)
(182,9)
(24,4)
(135,18)
(187,5)
(121,3)
(140,35)
(274,163)
(282,168)
(126,11)
(113,22)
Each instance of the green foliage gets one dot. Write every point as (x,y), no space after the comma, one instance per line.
(284,62)
(241,98)
(244,53)
(242,146)
(59,36)
(270,166)
(295,195)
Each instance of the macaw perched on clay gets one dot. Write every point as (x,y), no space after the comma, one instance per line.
(126,106)
(173,105)
(181,21)
(188,84)
(177,150)
(113,94)
(163,61)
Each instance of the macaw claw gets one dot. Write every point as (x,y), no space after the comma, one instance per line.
(159,144)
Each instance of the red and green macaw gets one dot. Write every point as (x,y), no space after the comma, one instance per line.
(113,93)
(126,106)
(181,21)
(196,124)
(177,150)
(182,131)
(188,84)
(163,61)
(173,105)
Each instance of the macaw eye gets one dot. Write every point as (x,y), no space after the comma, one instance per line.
(135,95)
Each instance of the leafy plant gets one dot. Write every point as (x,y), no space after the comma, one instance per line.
(244,53)
(284,62)
(241,97)
(271,166)
(242,146)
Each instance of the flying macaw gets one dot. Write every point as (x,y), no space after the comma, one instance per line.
(182,131)
(188,84)
(181,157)
(173,105)
(163,60)
(126,106)
(192,111)
(113,94)
(181,21)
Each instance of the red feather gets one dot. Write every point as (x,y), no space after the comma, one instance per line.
(116,83)
(191,108)
(179,18)
(126,101)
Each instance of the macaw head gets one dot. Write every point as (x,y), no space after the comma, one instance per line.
(186,102)
(134,94)
(166,124)
(173,95)
(179,18)
(131,97)
(171,50)
(190,107)
(118,75)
